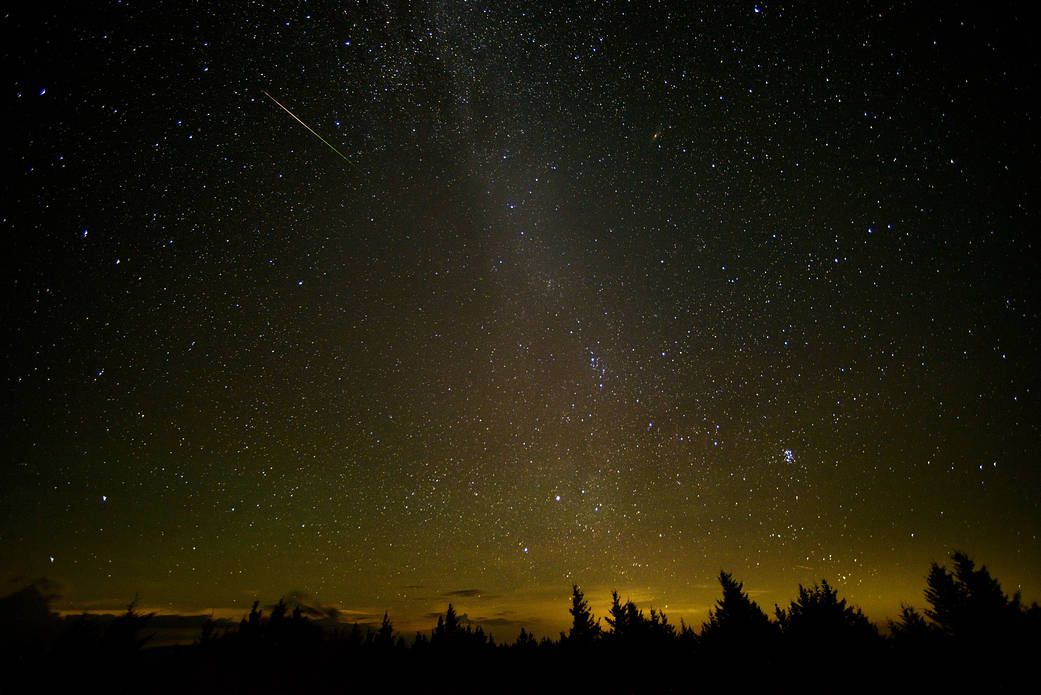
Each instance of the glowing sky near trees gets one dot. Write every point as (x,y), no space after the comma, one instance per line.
(620,294)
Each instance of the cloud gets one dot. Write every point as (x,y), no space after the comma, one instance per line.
(309,605)
(312,608)
(362,617)
(497,622)
(46,586)
(468,593)
(463,618)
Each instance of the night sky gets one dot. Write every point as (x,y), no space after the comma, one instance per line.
(611,293)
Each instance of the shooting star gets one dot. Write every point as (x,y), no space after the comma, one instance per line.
(309,128)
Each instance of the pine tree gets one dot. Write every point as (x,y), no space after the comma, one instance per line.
(451,620)
(123,634)
(448,629)
(255,615)
(616,614)
(968,603)
(584,628)
(525,640)
(385,636)
(912,632)
(736,620)
(627,622)
(819,617)
(278,612)
(659,628)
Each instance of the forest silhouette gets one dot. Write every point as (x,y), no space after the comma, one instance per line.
(972,635)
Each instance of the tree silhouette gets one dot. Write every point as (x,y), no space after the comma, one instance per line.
(970,627)
(449,632)
(525,641)
(421,642)
(737,620)
(278,611)
(625,619)
(659,629)
(911,625)
(385,635)
(584,628)
(629,626)
(819,618)
(123,636)
(26,621)
(252,623)
(977,621)
(451,624)
(209,632)
(687,635)
(913,634)
(968,603)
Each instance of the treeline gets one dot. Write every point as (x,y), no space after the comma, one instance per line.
(970,630)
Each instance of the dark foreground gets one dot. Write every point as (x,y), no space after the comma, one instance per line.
(972,637)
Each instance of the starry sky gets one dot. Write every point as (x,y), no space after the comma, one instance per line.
(395,304)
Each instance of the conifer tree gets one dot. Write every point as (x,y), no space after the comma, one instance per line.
(968,603)
(385,636)
(584,628)
(820,617)
(736,619)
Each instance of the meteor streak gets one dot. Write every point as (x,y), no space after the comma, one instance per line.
(309,128)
